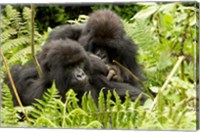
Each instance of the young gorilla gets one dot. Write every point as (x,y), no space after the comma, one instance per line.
(62,61)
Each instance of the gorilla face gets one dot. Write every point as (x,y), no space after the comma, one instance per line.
(76,74)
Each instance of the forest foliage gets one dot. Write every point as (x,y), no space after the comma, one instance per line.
(164,32)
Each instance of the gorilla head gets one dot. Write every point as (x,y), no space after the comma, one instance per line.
(66,62)
(104,24)
(102,28)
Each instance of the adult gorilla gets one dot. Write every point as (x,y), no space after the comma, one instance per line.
(105,37)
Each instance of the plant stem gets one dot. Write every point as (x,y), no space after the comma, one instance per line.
(181,58)
(32,41)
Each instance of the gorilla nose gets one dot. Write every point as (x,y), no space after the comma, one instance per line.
(80,75)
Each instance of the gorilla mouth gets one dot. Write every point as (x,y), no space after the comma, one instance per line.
(78,85)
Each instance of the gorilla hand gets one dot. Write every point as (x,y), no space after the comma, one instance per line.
(114,73)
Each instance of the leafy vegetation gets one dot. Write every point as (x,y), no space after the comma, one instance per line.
(163,32)
(16,34)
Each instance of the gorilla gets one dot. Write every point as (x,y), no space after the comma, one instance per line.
(62,61)
(66,63)
(103,36)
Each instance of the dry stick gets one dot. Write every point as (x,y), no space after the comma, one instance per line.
(13,85)
(180,59)
(32,41)
(135,77)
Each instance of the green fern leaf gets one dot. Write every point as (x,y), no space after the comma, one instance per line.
(47,105)
(8,46)
(101,102)
(94,124)
(9,114)
(7,34)
(22,55)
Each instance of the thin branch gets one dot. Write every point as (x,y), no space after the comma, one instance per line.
(32,41)
(134,77)
(184,37)
(181,58)
(13,85)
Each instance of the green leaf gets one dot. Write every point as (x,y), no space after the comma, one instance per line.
(147,12)
(192,20)
(154,89)
(160,102)
(168,8)
(101,102)
(94,124)
(77,111)
(91,103)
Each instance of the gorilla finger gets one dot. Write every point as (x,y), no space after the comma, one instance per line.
(95,56)
(110,75)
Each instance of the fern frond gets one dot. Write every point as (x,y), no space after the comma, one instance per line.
(43,121)
(9,114)
(142,33)
(71,100)
(22,55)
(14,16)
(15,43)
(94,124)
(7,34)
(5,22)
(11,13)
(16,33)
(26,13)
(47,105)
